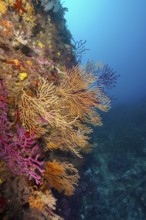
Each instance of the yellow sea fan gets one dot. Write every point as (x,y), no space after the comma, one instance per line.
(40,111)
(73,139)
(80,98)
(36,111)
(62,176)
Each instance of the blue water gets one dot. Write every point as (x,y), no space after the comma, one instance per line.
(115,32)
(113,180)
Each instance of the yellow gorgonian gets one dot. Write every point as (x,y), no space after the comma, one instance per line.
(62,176)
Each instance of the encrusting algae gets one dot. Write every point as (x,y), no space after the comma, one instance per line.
(47,102)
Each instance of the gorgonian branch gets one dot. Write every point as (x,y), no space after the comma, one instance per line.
(79,49)
(106,76)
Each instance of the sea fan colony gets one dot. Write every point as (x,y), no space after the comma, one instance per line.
(47,103)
